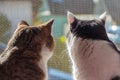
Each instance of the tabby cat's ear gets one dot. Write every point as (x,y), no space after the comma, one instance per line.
(102,18)
(23,23)
(71,17)
(48,26)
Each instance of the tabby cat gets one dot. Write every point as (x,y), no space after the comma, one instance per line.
(27,53)
(93,55)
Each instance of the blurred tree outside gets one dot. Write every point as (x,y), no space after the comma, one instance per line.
(35,7)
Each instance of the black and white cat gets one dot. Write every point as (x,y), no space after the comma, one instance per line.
(93,55)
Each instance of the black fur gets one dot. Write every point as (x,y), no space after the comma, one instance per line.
(116,78)
(92,29)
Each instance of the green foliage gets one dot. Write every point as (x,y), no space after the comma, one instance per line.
(4,27)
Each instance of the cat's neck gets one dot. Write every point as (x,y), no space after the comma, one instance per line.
(90,58)
(43,65)
(45,56)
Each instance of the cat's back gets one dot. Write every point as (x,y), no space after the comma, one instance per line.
(93,55)
(23,59)
(18,68)
(3,75)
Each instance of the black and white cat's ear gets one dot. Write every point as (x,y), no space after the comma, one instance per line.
(48,25)
(71,17)
(102,17)
(23,23)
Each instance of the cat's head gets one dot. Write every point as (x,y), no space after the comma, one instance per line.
(33,38)
(87,29)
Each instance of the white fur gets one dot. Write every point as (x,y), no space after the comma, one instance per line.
(103,16)
(70,17)
(45,55)
(102,64)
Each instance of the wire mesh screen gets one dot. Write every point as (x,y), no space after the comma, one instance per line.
(38,11)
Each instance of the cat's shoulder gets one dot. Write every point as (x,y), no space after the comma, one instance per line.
(114,46)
